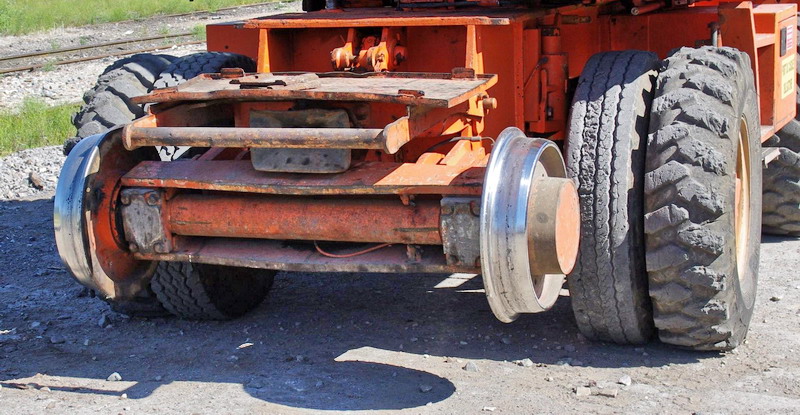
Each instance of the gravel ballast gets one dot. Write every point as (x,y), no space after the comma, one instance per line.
(16,171)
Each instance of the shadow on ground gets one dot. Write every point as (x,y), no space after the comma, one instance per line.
(320,341)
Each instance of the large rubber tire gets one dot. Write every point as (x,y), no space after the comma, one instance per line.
(781,210)
(605,157)
(209,292)
(702,283)
(108,103)
(145,305)
(781,202)
(781,215)
(789,136)
(189,66)
(313,5)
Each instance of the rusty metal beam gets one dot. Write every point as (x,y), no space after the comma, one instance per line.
(440,90)
(348,138)
(296,218)
(277,255)
(366,178)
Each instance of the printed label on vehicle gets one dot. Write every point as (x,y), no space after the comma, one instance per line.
(788,75)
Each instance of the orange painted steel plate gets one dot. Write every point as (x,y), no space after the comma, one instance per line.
(366,17)
(440,90)
(362,179)
(298,218)
(302,257)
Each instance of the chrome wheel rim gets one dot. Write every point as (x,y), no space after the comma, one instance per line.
(511,286)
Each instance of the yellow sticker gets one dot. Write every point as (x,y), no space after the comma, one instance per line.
(788,76)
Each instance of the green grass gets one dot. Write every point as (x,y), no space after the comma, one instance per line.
(36,125)
(49,66)
(25,16)
(199,32)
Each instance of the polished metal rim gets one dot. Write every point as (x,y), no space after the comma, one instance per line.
(516,162)
(742,208)
(68,209)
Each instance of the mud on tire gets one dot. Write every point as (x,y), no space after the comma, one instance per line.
(702,283)
(209,292)
(605,157)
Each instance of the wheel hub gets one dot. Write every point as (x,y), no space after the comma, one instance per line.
(84,218)
(529,225)
(68,219)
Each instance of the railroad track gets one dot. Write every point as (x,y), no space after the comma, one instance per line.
(36,60)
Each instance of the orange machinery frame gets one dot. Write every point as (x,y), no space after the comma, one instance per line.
(536,53)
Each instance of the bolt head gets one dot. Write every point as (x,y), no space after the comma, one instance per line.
(160,248)
(133,247)
(152,198)
(475,208)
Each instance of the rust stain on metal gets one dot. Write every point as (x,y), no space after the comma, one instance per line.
(302,257)
(443,90)
(296,218)
(384,18)
(353,138)
(361,179)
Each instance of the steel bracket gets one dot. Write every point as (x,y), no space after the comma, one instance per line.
(461,230)
(143,220)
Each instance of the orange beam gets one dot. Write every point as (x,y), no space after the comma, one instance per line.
(361,179)
(371,17)
(288,218)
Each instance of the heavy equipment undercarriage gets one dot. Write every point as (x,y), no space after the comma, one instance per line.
(432,137)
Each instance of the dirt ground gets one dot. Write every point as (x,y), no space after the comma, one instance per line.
(356,342)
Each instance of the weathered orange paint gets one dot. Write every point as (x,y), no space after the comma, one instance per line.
(509,43)
(108,247)
(364,178)
(536,53)
(320,219)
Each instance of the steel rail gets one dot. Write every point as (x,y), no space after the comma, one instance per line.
(91,58)
(92,46)
(117,42)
